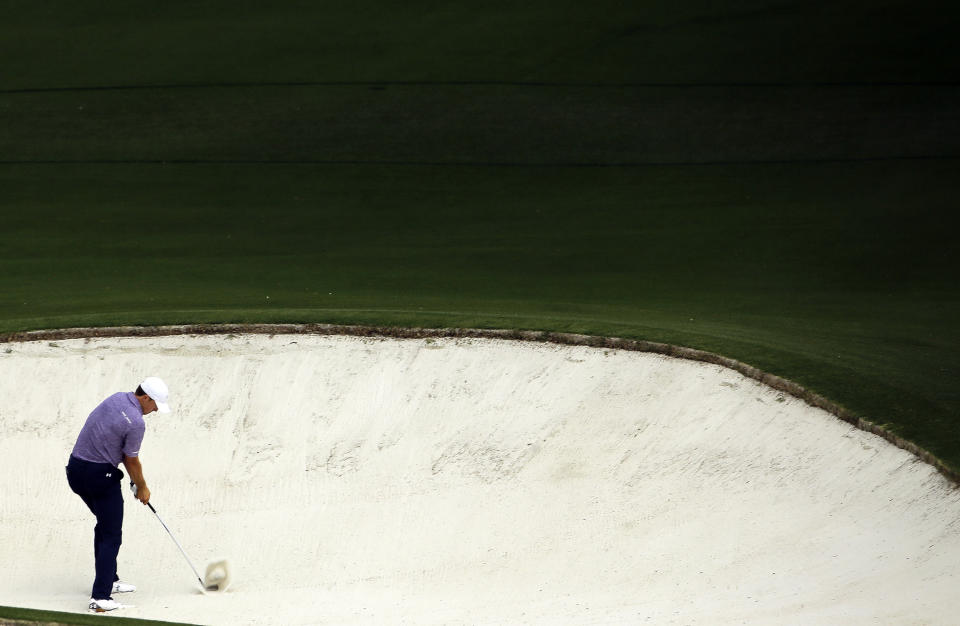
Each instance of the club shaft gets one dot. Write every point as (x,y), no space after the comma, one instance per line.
(182,551)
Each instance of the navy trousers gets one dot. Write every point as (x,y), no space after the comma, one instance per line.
(98,484)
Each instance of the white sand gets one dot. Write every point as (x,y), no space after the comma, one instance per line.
(381,481)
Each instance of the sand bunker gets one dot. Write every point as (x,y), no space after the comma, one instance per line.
(353,480)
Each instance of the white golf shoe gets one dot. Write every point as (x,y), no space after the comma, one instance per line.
(122,587)
(102,606)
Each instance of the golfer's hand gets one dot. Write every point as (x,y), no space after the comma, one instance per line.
(143,495)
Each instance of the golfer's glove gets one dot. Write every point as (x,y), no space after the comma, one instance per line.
(133,488)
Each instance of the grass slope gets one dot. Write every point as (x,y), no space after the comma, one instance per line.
(20,617)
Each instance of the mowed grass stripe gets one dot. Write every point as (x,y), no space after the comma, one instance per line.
(59,43)
(464,124)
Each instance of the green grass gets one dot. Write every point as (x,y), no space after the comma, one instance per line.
(775,182)
(514,124)
(24,616)
(62,44)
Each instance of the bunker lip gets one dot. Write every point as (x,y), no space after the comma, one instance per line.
(394,332)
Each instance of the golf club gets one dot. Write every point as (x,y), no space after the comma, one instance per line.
(217,576)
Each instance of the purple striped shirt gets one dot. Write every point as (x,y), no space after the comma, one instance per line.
(113,430)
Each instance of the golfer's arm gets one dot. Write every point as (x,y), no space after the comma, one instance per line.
(135,471)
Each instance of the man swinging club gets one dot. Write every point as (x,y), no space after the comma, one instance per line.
(112,433)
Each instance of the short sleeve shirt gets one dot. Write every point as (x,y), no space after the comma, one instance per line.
(113,430)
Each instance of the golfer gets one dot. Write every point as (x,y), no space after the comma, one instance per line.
(112,433)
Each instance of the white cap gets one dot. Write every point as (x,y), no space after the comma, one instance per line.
(157,389)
